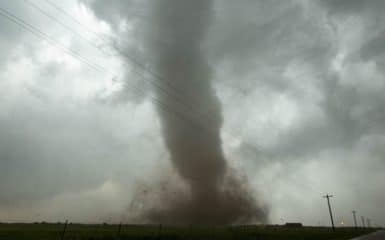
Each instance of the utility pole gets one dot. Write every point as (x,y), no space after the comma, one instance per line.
(355,218)
(160,231)
(363,221)
(64,230)
(368,222)
(327,196)
(119,229)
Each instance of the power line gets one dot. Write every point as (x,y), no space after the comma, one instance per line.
(38,8)
(16,20)
(174,94)
(74,19)
(128,57)
(86,28)
(44,36)
(132,59)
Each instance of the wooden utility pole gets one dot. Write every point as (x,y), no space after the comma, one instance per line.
(327,196)
(119,229)
(160,231)
(64,230)
(363,221)
(355,219)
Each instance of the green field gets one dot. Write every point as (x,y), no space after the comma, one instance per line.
(104,231)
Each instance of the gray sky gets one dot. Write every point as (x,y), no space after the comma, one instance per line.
(301,85)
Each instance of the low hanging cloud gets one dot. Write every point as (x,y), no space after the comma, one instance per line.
(300,83)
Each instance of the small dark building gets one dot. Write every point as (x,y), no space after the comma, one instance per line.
(293,225)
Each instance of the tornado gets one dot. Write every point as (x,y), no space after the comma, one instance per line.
(191,119)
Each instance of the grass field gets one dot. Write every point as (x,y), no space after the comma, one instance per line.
(88,232)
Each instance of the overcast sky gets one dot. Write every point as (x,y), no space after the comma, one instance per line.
(301,85)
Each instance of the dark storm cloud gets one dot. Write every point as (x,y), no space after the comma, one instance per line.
(53,150)
(31,147)
(10,35)
(255,45)
(292,35)
(115,11)
(352,6)
(255,48)
(350,112)
(301,87)
(370,14)
(374,47)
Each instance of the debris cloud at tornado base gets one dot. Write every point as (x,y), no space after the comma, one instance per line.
(191,120)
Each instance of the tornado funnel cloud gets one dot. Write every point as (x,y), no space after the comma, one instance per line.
(192,130)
